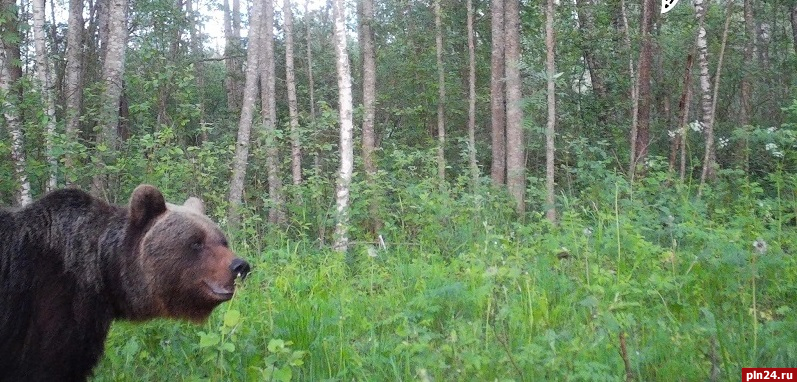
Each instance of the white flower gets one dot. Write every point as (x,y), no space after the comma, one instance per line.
(723,142)
(672,133)
(760,246)
(771,129)
(771,147)
(696,126)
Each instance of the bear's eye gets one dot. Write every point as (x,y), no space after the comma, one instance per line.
(197,246)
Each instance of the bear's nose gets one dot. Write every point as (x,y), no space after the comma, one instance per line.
(240,268)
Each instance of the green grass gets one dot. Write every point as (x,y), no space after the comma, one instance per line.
(475,297)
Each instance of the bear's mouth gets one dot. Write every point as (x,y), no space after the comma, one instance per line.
(220,292)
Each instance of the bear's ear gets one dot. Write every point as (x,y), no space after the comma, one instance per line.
(195,205)
(146,203)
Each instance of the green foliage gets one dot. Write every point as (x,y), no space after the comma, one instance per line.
(464,291)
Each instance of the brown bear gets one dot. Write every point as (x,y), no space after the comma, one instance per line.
(71,263)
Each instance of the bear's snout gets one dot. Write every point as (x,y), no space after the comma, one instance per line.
(240,268)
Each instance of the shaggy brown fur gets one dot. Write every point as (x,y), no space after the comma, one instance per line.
(71,263)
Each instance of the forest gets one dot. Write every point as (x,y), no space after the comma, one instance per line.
(435,190)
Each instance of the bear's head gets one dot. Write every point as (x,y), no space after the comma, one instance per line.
(187,265)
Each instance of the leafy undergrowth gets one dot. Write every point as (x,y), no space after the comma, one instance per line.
(657,283)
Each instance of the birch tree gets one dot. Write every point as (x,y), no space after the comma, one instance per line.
(474,169)
(441,94)
(45,87)
(550,130)
(247,112)
(701,44)
(10,73)
(290,82)
(268,112)
(73,88)
(341,242)
(710,155)
(515,143)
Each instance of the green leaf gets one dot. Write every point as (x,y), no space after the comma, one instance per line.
(232,318)
(275,345)
(208,339)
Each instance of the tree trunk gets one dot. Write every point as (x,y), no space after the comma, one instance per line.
(43,73)
(679,136)
(247,112)
(369,109)
(474,168)
(290,80)
(793,18)
(586,25)
(310,82)
(10,73)
(709,172)
(199,67)
(641,139)
(341,243)
(515,143)
(276,214)
(441,96)
(112,77)
(550,68)
(497,94)
(702,60)
(232,51)
(749,57)
(74,79)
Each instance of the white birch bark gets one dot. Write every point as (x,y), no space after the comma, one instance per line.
(341,242)
(441,96)
(550,130)
(11,116)
(474,168)
(45,88)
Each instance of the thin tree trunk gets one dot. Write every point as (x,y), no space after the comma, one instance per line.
(199,67)
(749,57)
(641,138)
(247,112)
(586,25)
(745,88)
(232,51)
(112,73)
(276,214)
(515,143)
(369,109)
(10,74)
(441,96)
(311,83)
(678,139)
(341,243)
(74,79)
(497,94)
(793,19)
(290,79)
(709,172)
(702,60)
(634,91)
(474,168)
(45,85)
(550,131)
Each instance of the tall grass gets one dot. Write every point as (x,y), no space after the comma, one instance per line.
(466,292)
